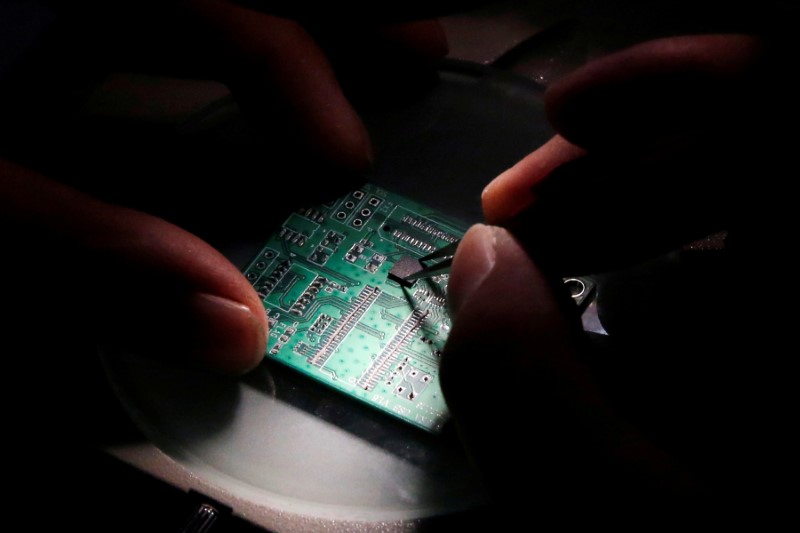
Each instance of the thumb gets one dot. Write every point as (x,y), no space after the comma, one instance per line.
(136,281)
(512,361)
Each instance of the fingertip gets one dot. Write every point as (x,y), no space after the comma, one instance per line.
(285,82)
(492,272)
(505,196)
(225,335)
(513,191)
(505,315)
(473,262)
(184,301)
(342,137)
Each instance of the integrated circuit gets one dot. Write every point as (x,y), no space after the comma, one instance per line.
(331,280)
(404,267)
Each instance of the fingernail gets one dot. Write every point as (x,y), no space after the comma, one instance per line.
(224,334)
(502,200)
(472,264)
(515,190)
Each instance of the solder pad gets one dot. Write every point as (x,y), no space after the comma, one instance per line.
(336,313)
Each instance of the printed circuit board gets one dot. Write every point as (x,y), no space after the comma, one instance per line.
(331,279)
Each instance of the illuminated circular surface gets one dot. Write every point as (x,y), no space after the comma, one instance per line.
(282,442)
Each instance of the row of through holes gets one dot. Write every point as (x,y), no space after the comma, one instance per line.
(261,265)
(341,215)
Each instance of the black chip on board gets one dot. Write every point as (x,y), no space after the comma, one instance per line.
(404,267)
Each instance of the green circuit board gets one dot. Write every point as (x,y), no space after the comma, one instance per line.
(331,279)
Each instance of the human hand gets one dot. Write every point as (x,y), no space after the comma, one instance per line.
(181,296)
(657,145)
(652,141)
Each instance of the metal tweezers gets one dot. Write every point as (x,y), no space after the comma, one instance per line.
(439,268)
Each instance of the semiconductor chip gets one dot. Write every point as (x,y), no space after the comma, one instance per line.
(404,267)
